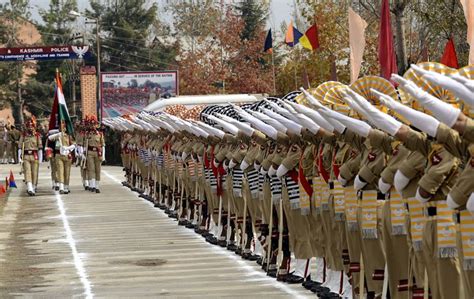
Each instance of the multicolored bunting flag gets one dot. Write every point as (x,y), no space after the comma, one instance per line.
(59,112)
(11,180)
(310,39)
(449,56)
(292,36)
(268,46)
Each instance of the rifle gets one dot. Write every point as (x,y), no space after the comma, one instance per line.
(86,150)
(22,156)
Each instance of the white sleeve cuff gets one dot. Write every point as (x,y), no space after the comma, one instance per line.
(342,180)
(421,198)
(470,203)
(358,184)
(400,181)
(281,171)
(451,203)
(384,187)
(271,171)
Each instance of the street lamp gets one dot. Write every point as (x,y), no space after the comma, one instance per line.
(76,14)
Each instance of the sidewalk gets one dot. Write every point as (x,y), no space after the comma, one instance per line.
(114,244)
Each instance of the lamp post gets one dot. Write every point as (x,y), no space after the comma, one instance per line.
(97,41)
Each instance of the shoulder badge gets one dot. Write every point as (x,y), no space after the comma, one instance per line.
(372,156)
(436,159)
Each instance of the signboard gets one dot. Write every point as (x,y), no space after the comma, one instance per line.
(44,53)
(130,92)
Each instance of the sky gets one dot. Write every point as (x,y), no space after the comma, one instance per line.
(280,9)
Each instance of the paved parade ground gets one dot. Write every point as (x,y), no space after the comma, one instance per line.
(113,244)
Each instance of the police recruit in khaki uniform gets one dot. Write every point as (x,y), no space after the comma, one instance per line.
(30,154)
(94,153)
(63,147)
(379,202)
(3,143)
(13,138)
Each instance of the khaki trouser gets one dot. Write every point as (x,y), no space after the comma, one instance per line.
(443,273)
(3,147)
(372,254)
(266,205)
(14,151)
(30,169)
(52,165)
(396,254)
(63,169)
(339,237)
(298,229)
(93,166)
(8,153)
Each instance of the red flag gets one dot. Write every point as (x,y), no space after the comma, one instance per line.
(449,57)
(387,57)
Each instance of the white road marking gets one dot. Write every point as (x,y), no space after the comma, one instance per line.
(80,269)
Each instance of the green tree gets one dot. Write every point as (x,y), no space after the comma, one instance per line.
(13,13)
(254,14)
(126,39)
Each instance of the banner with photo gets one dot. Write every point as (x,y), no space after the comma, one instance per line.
(130,92)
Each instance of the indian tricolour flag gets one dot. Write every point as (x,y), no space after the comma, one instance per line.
(59,110)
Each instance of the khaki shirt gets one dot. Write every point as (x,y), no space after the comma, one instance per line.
(31,142)
(95,139)
(442,167)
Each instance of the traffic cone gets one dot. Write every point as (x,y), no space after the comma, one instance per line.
(11,180)
(2,189)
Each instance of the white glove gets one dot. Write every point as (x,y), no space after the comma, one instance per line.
(443,111)
(54,136)
(460,86)
(359,127)
(418,119)
(315,116)
(103,154)
(306,122)
(381,120)
(232,163)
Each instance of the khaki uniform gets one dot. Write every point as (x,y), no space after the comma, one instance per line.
(95,141)
(31,145)
(443,265)
(13,138)
(3,143)
(63,162)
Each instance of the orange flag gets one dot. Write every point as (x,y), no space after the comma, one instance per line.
(357,27)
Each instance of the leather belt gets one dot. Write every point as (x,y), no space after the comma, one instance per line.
(30,152)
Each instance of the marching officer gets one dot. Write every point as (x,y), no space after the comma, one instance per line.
(30,154)
(63,147)
(95,153)
(13,138)
(3,143)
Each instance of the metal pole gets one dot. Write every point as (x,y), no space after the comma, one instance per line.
(274,77)
(99,100)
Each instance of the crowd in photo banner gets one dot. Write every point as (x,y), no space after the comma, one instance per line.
(374,183)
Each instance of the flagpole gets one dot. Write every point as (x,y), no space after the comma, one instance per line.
(274,76)
(296,64)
